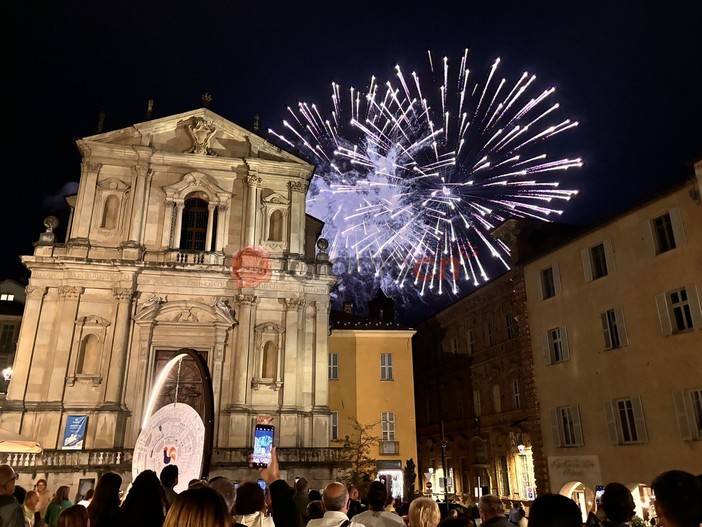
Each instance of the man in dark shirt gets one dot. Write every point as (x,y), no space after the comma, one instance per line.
(492,512)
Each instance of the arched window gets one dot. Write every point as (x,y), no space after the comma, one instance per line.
(194,229)
(88,355)
(110,213)
(275,227)
(270,360)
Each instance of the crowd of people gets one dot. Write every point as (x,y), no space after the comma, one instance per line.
(151,501)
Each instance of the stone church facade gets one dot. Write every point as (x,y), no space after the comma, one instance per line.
(186,232)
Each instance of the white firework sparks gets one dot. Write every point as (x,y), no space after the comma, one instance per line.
(412,175)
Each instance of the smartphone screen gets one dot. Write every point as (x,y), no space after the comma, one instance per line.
(599,491)
(263,443)
(262,484)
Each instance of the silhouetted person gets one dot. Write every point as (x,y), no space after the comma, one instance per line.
(678,499)
(554,510)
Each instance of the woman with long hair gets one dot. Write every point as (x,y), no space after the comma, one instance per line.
(73,516)
(424,512)
(145,504)
(198,507)
(103,508)
(59,502)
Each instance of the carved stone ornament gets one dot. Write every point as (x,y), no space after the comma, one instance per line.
(246,299)
(70,292)
(151,300)
(201,133)
(253,181)
(298,186)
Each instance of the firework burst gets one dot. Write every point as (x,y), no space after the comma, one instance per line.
(414,174)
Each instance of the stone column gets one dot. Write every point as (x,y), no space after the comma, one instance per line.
(241,376)
(118,357)
(210,223)
(26,343)
(86,199)
(292,364)
(167,224)
(221,227)
(254,183)
(180,204)
(321,381)
(69,298)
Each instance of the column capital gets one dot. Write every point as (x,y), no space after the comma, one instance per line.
(246,300)
(298,186)
(122,294)
(293,304)
(253,181)
(34,292)
(70,292)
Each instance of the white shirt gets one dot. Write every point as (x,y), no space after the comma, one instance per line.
(379,519)
(333,519)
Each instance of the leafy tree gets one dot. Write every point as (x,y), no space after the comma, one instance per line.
(409,476)
(363,467)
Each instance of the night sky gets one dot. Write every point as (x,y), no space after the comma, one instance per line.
(629,71)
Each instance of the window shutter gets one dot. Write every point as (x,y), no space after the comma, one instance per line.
(694,301)
(621,326)
(677,224)
(649,238)
(577,427)
(663,314)
(556,278)
(564,343)
(554,427)
(609,256)
(605,331)
(639,419)
(681,414)
(611,423)
(547,349)
(587,266)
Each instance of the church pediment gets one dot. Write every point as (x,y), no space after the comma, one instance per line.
(199,132)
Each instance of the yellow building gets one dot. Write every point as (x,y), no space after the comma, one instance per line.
(616,329)
(370,381)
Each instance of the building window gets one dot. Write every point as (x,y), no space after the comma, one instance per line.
(625,421)
(454,345)
(567,430)
(663,233)
(459,402)
(388,425)
(386,366)
(548,286)
(334,426)
(7,338)
(477,409)
(613,328)
(556,345)
(496,399)
(509,323)
(471,341)
(333,366)
(503,476)
(194,228)
(679,310)
(516,394)
(688,409)
(7,297)
(598,261)
(490,333)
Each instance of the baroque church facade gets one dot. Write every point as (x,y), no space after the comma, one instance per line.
(187,232)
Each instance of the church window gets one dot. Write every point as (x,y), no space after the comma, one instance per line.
(194,229)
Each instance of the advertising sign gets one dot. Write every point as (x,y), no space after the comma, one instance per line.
(74,433)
